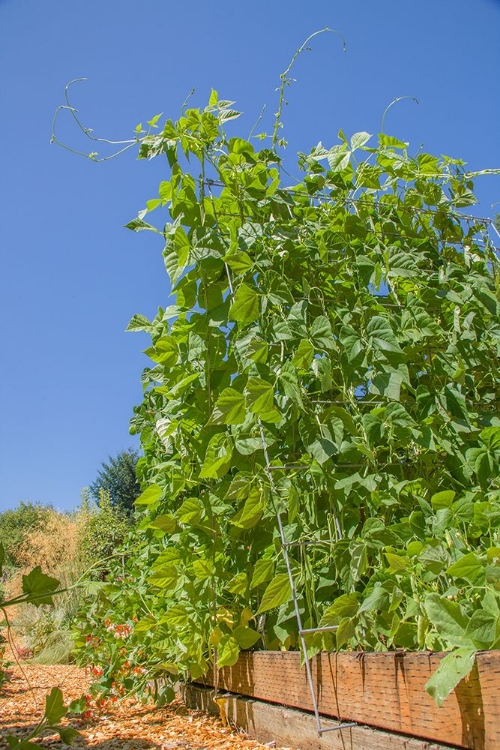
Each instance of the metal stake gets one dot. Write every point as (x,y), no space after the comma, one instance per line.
(298,616)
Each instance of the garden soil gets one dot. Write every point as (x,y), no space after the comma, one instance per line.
(128,725)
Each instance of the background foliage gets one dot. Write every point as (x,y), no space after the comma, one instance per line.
(331,356)
(37,590)
(16,523)
(102,529)
(117,477)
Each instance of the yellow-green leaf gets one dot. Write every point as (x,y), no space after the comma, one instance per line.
(277,593)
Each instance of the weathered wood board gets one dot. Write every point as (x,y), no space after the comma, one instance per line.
(296,730)
(384,690)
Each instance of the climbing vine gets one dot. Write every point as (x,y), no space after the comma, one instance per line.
(331,354)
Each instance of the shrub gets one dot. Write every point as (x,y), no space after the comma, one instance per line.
(16,523)
(101,530)
(50,541)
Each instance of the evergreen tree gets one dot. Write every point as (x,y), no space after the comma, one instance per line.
(117,477)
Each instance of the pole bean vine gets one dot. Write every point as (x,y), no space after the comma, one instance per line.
(341,335)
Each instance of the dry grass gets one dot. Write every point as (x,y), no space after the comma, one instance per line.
(54,547)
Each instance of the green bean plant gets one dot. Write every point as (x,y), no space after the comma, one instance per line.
(329,353)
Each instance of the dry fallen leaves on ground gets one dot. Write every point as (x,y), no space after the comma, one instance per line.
(116,726)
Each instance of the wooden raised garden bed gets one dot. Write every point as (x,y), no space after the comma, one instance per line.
(386,691)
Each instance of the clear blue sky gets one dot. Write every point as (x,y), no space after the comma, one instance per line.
(71,276)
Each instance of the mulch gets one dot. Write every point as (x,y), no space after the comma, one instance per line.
(128,725)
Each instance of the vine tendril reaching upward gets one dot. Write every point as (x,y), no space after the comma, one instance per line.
(88,131)
(286,81)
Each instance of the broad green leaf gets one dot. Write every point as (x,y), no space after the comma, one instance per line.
(176,616)
(138,225)
(277,593)
(246,305)
(154,120)
(453,668)
(165,695)
(78,706)
(379,599)
(352,342)
(165,191)
(358,140)
(448,619)
(322,450)
(240,146)
(345,631)
(68,734)
(260,396)
(381,334)
(203,569)
(238,584)
(304,354)
(230,408)
(145,625)
(263,571)
(251,512)
(481,462)
(491,438)
(165,578)
(239,262)
(321,333)
(469,567)
(216,636)
(164,352)
(493,555)
(455,402)
(406,636)
(165,522)
(38,587)
(190,511)
(345,605)
(291,385)
(397,563)
(228,652)
(388,141)
(482,629)
(217,458)
(246,637)
(258,350)
(347,420)
(140,323)
(338,158)
(150,496)
(151,205)
(247,446)
(388,384)
(54,706)
(443,499)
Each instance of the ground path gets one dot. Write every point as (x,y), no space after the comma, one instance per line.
(126,726)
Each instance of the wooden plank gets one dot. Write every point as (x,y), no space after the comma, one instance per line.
(384,690)
(287,727)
